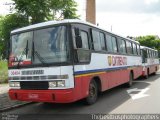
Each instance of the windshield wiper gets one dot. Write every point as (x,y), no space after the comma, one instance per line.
(41,59)
(22,53)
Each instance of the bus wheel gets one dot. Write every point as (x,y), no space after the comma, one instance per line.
(129,84)
(93,93)
(155,71)
(147,74)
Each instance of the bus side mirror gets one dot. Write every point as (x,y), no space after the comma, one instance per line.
(78,42)
(78,38)
(7,50)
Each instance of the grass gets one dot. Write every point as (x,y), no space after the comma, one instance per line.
(3,72)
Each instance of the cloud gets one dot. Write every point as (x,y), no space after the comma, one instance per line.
(130,24)
(5,6)
(129,6)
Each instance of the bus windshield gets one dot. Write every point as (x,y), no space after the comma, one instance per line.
(49,45)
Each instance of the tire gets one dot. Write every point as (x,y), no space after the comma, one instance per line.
(155,71)
(92,93)
(129,84)
(147,75)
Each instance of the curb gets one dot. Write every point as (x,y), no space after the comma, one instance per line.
(15,106)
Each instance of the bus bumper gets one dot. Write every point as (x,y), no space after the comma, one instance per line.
(56,96)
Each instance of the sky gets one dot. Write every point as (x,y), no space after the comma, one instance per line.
(125,17)
(5,6)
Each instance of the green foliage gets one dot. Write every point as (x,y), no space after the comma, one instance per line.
(66,8)
(38,10)
(1,19)
(9,23)
(3,72)
(42,10)
(149,41)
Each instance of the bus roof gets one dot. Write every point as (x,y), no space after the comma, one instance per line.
(48,23)
(144,47)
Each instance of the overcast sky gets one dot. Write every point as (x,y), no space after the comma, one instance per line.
(127,17)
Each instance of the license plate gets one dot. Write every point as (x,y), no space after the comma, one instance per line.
(33,96)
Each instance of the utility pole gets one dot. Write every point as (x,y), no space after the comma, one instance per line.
(91,11)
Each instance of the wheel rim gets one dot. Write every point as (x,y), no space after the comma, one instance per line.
(92,91)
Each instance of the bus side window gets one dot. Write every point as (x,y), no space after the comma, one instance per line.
(122,46)
(138,50)
(85,40)
(102,39)
(96,40)
(134,49)
(129,47)
(144,56)
(148,53)
(109,43)
(114,44)
(155,54)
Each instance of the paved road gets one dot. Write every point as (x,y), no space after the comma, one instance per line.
(116,100)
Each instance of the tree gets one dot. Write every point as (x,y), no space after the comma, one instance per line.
(66,9)
(43,10)
(9,23)
(149,41)
(1,39)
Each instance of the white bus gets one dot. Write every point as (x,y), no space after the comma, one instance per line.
(69,60)
(150,61)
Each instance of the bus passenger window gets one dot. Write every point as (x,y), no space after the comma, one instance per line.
(96,40)
(129,47)
(138,50)
(114,44)
(122,46)
(134,49)
(84,37)
(109,43)
(102,39)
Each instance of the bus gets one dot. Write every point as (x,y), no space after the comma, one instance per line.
(150,61)
(69,60)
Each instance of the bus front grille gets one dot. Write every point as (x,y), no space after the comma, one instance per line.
(34,85)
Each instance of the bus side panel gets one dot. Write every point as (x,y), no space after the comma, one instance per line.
(154,68)
(116,78)
(137,72)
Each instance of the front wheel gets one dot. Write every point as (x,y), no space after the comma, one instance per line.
(93,93)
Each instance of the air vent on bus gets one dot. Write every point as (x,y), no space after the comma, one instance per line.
(33,72)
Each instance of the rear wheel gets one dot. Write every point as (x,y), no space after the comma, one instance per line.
(155,71)
(93,93)
(147,74)
(130,82)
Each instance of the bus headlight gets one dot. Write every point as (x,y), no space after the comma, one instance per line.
(58,83)
(14,84)
(52,84)
(61,83)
